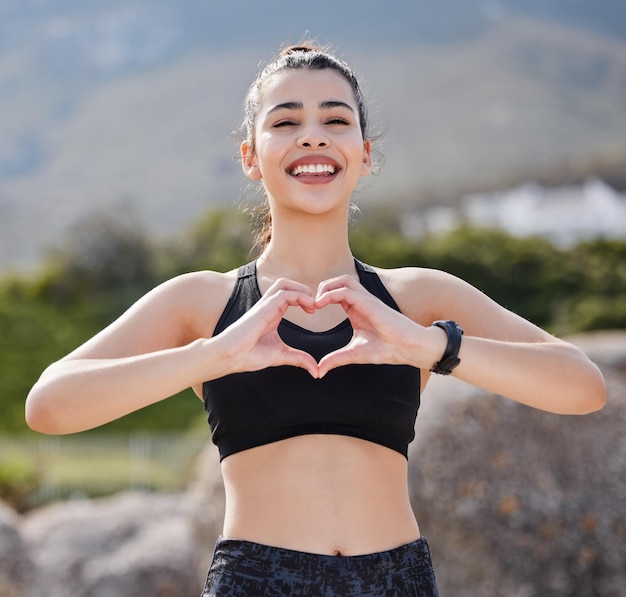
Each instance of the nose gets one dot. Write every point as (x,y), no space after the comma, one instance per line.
(314,144)
(313,137)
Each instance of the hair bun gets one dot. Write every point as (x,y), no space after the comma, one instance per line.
(305,46)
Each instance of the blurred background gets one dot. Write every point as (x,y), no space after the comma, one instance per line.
(503,132)
(127,106)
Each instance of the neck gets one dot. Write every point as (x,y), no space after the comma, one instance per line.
(308,250)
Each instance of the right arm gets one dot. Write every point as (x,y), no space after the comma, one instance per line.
(162,345)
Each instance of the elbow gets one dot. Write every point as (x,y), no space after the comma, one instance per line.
(43,410)
(598,398)
(35,418)
(594,394)
(582,384)
(38,415)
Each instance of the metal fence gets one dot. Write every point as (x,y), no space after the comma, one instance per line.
(49,468)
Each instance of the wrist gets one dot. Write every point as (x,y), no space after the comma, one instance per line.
(212,358)
(450,357)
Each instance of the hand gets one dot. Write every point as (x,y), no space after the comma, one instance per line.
(253,342)
(382,335)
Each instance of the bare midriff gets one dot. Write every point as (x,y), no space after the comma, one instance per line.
(324,494)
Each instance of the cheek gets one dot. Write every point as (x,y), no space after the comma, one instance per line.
(269,150)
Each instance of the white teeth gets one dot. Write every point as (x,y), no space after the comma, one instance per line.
(313,169)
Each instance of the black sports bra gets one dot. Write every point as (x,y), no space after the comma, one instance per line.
(378,403)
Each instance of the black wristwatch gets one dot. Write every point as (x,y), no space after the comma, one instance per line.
(450,358)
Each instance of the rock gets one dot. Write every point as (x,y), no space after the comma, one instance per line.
(18,574)
(520,502)
(130,545)
(606,348)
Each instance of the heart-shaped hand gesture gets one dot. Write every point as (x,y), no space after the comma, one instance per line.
(381,334)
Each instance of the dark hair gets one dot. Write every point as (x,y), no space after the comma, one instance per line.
(304,55)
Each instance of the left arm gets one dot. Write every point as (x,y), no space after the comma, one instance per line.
(545,373)
(500,351)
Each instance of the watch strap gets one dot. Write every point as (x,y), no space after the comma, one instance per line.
(450,358)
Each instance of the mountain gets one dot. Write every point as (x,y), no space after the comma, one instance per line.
(129,105)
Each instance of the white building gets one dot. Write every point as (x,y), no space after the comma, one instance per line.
(565,215)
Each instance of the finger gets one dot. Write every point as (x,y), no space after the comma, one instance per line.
(273,307)
(303,360)
(287,284)
(264,318)
(339,282)
(269,350)
(342,295)
(290,297)
(347,355)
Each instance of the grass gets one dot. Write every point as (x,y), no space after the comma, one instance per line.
(34,471)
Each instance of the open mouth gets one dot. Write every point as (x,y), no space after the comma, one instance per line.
(313,170)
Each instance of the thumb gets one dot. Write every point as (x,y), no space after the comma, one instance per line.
(338,358)
(301,359)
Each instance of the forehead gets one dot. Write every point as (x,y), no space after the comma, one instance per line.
(306,86)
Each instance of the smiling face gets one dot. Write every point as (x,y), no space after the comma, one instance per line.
(309,149)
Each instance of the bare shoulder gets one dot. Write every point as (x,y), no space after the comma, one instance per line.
(405,278)
(196,299)
(418,290)
(426,295)
(174,313)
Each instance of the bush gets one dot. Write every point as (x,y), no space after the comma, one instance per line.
(18,478)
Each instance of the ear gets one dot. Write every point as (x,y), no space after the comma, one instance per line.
(366,167)
(248,161)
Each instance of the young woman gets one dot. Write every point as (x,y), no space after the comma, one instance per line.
(311,363)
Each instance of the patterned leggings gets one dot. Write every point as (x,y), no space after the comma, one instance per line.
(245,569)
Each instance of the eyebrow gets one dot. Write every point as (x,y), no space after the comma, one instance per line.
(327,105)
